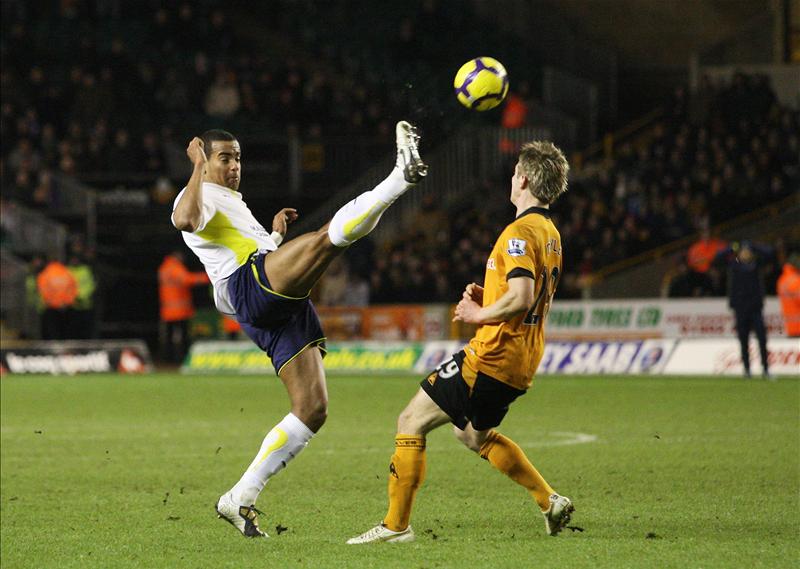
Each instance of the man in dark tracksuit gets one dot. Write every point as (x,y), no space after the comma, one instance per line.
(746,296)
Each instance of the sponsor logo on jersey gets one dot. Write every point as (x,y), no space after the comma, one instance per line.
(516,247)
(490,264)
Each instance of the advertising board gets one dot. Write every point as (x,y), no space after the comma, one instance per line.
(74,357)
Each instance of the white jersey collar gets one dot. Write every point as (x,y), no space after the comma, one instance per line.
(223,188)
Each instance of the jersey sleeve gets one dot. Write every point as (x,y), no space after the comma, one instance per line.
(518,251)
(207,211)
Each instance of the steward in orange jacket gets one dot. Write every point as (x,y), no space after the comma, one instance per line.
(58,290)
(703,251)
(789,294)
(58,287)
(175,282)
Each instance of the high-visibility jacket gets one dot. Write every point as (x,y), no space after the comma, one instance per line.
(701,254)
(57,286)
(789,294)
(515,113)
(32,296)
(86,285)
(174,289)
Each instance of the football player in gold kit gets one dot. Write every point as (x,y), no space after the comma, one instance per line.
(474,389)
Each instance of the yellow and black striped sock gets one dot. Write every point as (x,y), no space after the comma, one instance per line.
(506,456)
(406,474)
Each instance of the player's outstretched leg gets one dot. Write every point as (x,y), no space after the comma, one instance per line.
(507,457)
(360,216)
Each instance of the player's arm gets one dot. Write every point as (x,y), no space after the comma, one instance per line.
(517,300)
(188,212)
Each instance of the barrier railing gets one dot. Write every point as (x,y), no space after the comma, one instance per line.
(32,233)
(17,314)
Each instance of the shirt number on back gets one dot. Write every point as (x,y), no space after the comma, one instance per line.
(544,298)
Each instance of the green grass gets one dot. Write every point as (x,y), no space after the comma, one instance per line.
(115,471)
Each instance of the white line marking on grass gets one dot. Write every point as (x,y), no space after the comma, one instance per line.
(562,438)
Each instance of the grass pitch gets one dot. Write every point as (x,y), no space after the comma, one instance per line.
(116,471)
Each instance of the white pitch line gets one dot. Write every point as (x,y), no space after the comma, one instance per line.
(564,438)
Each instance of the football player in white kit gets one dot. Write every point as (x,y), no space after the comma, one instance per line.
(265,286)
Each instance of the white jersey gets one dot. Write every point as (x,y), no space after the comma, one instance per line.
(226,236)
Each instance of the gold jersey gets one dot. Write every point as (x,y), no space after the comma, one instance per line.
(530,247)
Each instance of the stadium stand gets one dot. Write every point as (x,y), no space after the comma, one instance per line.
(710,158)
(68,99)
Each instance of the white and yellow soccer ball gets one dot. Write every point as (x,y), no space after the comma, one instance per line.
(481,83)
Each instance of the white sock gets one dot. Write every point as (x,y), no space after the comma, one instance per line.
(282,444)
(360,216)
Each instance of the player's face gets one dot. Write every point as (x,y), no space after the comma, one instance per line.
(225,164)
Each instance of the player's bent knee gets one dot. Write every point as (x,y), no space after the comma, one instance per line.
(321,238)
(315,419)
(409,424)
(313,414)
(468,439)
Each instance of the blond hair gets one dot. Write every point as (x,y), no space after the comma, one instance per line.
(546,168)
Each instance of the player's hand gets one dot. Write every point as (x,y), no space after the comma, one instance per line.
(282,219)
(196,152)
(467,311)
(475,292)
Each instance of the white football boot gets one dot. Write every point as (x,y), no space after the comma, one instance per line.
(557,516)
(243,518)
(408,160)
(382,533)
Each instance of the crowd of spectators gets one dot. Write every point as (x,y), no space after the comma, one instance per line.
(100,87)
(93,88)
(728,151)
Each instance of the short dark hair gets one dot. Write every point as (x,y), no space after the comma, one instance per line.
(215,134)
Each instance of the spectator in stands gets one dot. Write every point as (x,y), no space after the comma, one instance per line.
(58,290)
(746,297)
(121,156)
(333,285)
(175,282)
(703,251)
(223,99)
(514,115)
(45,195)
(789,294)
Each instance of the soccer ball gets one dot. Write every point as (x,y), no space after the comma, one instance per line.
(481,84)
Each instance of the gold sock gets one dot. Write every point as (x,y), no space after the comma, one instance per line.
(506,456)
(406,473)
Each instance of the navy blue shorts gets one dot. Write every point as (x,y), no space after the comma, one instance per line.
(282,326)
